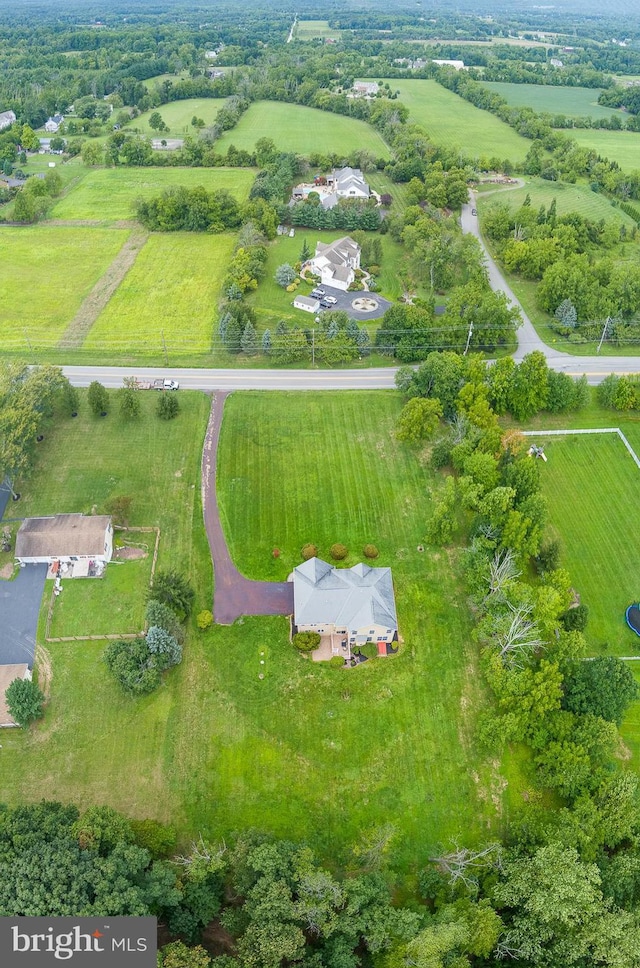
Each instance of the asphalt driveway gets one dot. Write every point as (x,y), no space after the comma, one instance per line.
(19,607)
(344,300)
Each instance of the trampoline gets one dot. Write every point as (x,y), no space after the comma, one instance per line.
(632,616)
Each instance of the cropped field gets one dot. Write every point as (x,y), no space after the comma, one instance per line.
(569,198)
(452,121)
(593,488)
(177,115)
(169,297)
(620,146)
(309,29)
(304,130)
(575,102)
(109,194)
(45,273)
(346,753)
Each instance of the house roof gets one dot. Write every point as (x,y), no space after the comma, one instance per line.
(7,118)
(307,301)
(346,179)
(339,252)
(351,597)
(7,674)
(62,535)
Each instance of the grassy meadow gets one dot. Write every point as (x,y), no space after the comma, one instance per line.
(309,751)
(294,127)
(620,146)
(450,120)
(169,296)
(110,194)
(311,29)
(177,115)
(575,102)
(569,198)
(45,273)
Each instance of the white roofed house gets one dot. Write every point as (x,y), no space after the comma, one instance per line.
(7,118)
(350,606)
(66,540)
(348,183)
(336,262)
(53,123)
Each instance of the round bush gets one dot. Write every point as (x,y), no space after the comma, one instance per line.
(339,552)
(309,551)
(306,641)
(337,661)
(370,551)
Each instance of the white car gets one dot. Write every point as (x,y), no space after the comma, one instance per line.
(331,300)
(317,292)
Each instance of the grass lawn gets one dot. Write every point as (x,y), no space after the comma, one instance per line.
(308,752)
(177,115)
(294,127)
(310,29)
(576,102)
(450,120)
(110,194)
(593,486)
(100,606)
(620,146)
(569,198)
(156,81)
(45,273)
(630,729)
(83,462)
(169,296)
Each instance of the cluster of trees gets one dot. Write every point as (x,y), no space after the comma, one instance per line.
(441,189)
(348,214)
(189,209)
(34,200)
(30,397)
(137,664)
(619,392)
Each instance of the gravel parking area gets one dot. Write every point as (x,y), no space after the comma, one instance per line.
(344,302)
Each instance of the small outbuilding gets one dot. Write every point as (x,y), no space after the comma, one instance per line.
(308,303)
(65,538)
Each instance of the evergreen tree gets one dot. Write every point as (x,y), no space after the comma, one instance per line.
(249,341)
(266,342)
(168,406)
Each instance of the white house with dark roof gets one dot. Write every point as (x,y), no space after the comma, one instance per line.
(65,538)
(348,183)
(52,124)
(356,604)
(7,118)
(336,262)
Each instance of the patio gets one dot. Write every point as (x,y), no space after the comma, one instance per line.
(330,646)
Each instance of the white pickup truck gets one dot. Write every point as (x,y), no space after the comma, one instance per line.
(157,384)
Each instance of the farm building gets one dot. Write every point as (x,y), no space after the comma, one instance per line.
(356,605)
(308,303)
(52,124)
(7,118)
(8,673)
(365,89)
(336,262)
(65,538)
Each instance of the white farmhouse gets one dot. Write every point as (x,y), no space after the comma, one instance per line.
(336,262)
(52,124)
(65,538)
(7,118)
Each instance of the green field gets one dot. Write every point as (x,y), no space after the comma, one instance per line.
(310,29)
(303,130)
(109,194)
(45,273)
(569,198)
(156,81)
(308,752)
(574,102)
(177,115)
(620,146)
(593,487)
(169,297)
(451,121)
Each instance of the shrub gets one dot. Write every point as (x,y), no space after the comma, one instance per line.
(98,398)
(161,615)
(306,641)
(575,619)
(204,620)
(370,649)
(158,838)
(339,552)
(173,589)
(168,406)
(337,661)
(292,287)
(441,453)
(119,507)
(370,551)
(132,665)
(24,701)
(548,558)
(164,646)
(309,551)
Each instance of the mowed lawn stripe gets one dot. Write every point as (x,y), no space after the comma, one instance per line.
(294,127)
(592,486)
(110,194)
(169,297)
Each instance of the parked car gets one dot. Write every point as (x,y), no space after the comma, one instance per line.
(331,300)
(317,292)
(473,211)
(325,304)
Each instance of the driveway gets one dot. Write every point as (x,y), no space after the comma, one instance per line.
(19,607)
(345,299)
(234,595)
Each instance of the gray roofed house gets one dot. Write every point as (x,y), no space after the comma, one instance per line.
(7,118)
(336,262)
(348,183)
(65,537)
(52,124)
(357,603)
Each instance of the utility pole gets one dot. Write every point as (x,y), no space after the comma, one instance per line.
(26,336)
(469,334)
(313,344)
(604,332)
(164,347)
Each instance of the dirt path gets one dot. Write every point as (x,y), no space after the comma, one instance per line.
(93,304)
(234,595)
